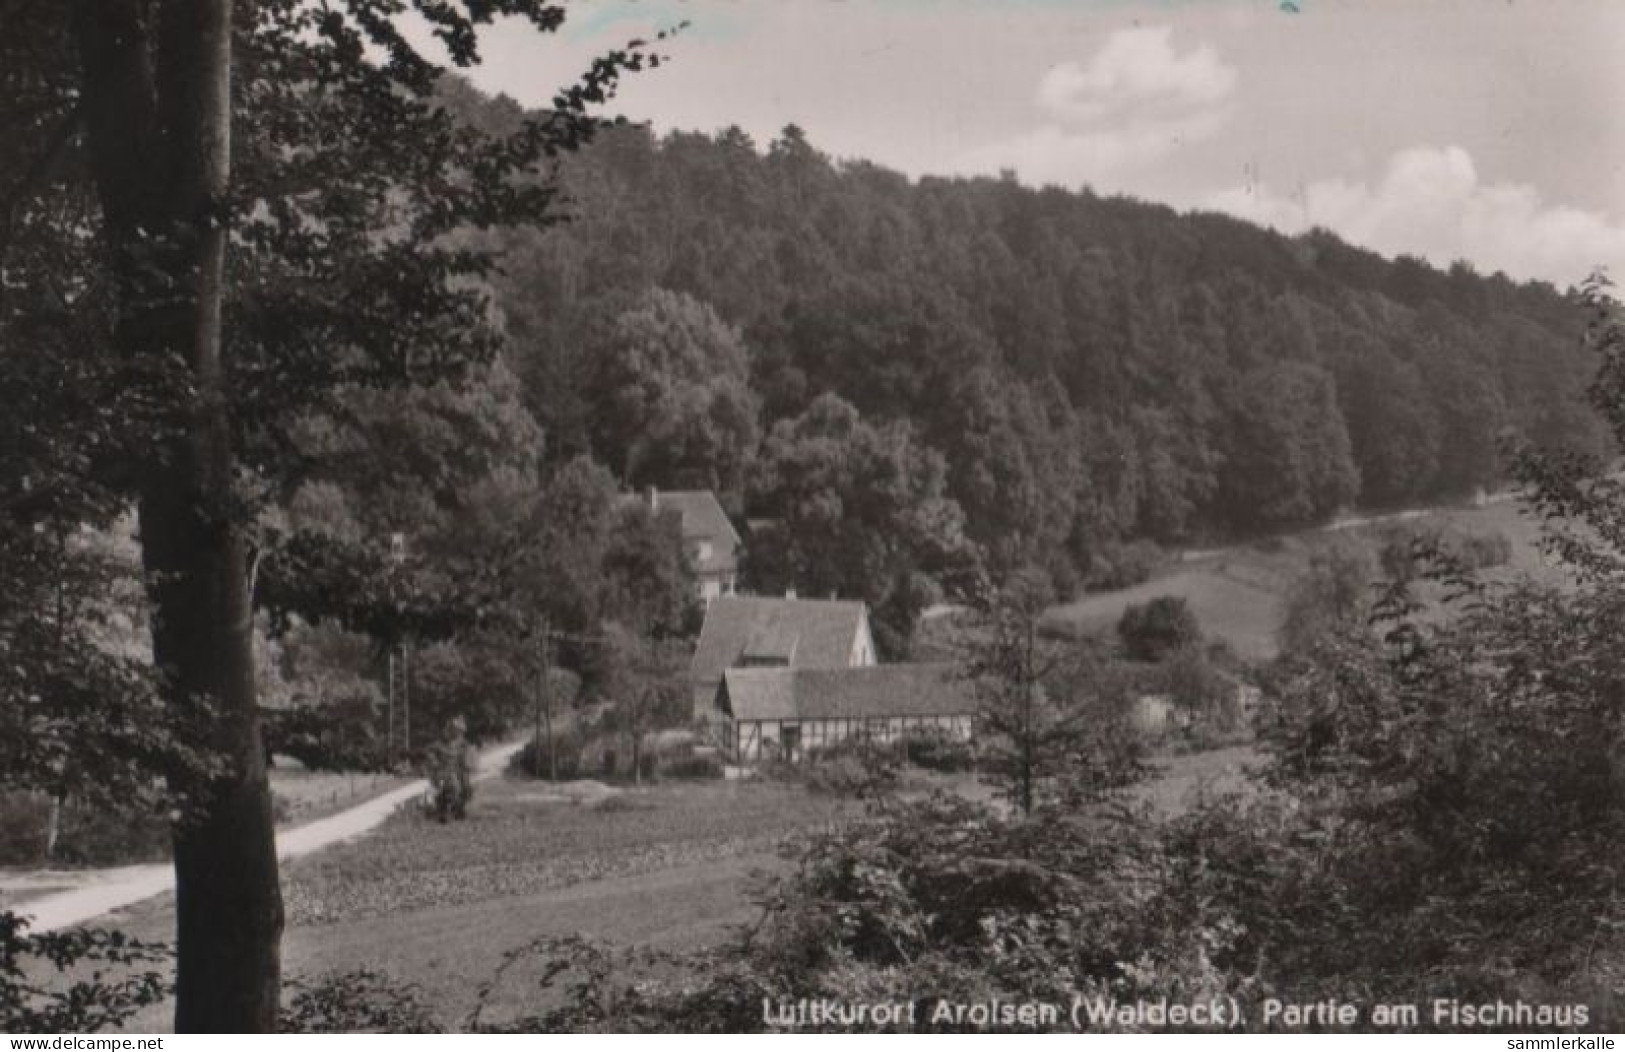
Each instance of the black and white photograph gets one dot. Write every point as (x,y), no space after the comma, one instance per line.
(812,517)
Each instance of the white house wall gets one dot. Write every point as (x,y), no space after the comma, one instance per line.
(754,740)
(863,644)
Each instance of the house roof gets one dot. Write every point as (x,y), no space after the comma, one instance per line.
(760,693)
(815,633)
(702,520)
(771,644)
(847,693)
(702,514)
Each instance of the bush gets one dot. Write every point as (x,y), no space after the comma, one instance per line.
(83,1005)
(1333,593)
(853,766)
(850,775)
(357,1002)
(1401,548)
(1151,630)
(1481,551)
(1206,697)
(529,762)
(934,749)
(696,765)
(85,836)
(341,734)
(23,821)
(608,755)
(99,838)
(1122,566)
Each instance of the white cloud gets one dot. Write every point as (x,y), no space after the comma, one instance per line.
(1430,202)
(1137,69)
(1133,102)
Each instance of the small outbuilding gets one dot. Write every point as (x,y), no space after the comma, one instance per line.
(786,712)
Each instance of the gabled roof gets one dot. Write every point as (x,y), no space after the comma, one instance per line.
(818,633)
(847,693)
(759,693)
(771,645)
(702,520)
(702,514)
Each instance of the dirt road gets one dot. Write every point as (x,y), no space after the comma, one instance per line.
(103,891)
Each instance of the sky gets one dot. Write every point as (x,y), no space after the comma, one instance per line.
(1491,131)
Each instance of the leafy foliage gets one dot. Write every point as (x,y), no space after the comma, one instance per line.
(1152,630)
(30,1003)
(859,511)
(1045,730)
(1439,818)
(672,400)
(295,171)
(1090,370)
(358,1002)
(1337,591)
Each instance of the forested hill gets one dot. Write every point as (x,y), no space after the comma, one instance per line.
(1089,369)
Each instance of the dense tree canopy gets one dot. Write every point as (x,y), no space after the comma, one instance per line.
(670,396)
(1089,369)
(857,511)
(223,224)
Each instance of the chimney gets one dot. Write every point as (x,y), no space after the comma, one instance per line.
(789,593)
(654,499)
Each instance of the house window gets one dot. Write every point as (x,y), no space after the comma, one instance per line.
(703,551)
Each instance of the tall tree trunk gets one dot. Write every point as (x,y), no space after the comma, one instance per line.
(157,104)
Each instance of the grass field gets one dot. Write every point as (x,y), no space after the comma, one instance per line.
(671,867)
(438,905)
(521,839)
(1238,593)
(304,796)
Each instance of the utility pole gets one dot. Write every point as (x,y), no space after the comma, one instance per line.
(546,636)
(547,709)
(406,697)
(544,703)
(399,675)
(398,741)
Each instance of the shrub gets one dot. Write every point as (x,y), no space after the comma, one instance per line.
(23,820)
(32,1004)
(85,836)
(854,766)
(1333,593)
(1156,628)
(1122,566)
(529,762)
(340,734)
(696,765)
(91,837)
(934,749)
(1401,548)
(849,774)
(1481,551)
(608,755)
(357,1002)
(1207,699)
